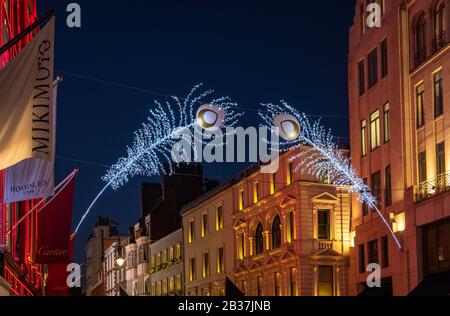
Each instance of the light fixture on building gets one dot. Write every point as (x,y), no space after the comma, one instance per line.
(399,222)
(120,261)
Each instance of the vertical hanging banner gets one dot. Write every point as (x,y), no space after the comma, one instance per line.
(53,229)
(26,114)
(33,178)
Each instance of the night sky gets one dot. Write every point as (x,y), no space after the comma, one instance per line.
(253,51)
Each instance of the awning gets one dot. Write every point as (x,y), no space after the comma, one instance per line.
(437,284)
(385,289)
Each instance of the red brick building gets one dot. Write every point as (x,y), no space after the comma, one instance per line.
(399,102)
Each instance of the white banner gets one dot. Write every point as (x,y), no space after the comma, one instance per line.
(26,116)
(33,178)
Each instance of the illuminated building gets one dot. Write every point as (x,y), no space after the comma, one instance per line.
(17,248)
(291,233)
(399,128)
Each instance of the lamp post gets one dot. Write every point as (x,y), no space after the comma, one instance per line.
(120,262)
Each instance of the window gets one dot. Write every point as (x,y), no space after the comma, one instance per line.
(440,158)
(326,287)
(420,105)
(387,123)
(171,253)
(361,78)
(363,138)
(272,183)
(422,162)
(206,265)
(293,282)
(259,240)
(178,282)
(241,247)
(219,218)
(388,186)
(192,270)
(164,256)
(323,223)
(178,252)
(376,188)
(438,95)
(373,68)
(277,285)
(191,232)
(204,225)
(255,192)
(290,230)
(439,27)
(365,208)
(375,130)
(276,233)
(290,174)
(362,259)
(259,286)
(220,260)
(385,252)
(421,50)
(164,287)
(241,200)
(384,59)
(171,284)
(372,249)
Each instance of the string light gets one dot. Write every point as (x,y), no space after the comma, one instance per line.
(318,153)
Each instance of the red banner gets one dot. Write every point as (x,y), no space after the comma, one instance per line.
(57,277)
(54,224)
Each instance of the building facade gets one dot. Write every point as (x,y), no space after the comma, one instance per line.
(208,242)
(291,233)
(115,268)
(166,272)
(398,103)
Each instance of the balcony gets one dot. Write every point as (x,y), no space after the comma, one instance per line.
(433,187)
(439,41)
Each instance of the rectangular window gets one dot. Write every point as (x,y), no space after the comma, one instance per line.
(171,253)
(326,287)
(372,251)
(388,186)
(178,282)
(256,192)
(290,231)
(385,252)
(164,256)
(272,183)
(375,130)
(438,95)
(373,68)
(384,59)
(422,164)
(365,208)
(192,270)
(206,265)
(191,233)
(362,259)
(387,123)
(164,287)
(323,222)
(171,284)
(440,158)
(220,260)
(290,174)
(178,252)
(376,188)
(293,279)
(241,200)
(361,78)
(420,105)
(363,138)
(219,218)
(259,286)
(241,248)
(204,225)
(277,284)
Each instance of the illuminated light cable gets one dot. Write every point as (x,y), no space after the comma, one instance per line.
(154,141)
(319,155)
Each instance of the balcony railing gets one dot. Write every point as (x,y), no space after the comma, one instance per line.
(430,188)
(439,41)
(324,244)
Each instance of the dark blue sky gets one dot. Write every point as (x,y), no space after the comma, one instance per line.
(253,51)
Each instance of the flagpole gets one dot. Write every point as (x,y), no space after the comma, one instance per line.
(29,29)
(63,183)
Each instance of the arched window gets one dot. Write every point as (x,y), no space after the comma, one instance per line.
(421,49)
(276,233)
(439,26)
(259,240)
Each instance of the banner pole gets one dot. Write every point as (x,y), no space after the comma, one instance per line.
(29,29)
